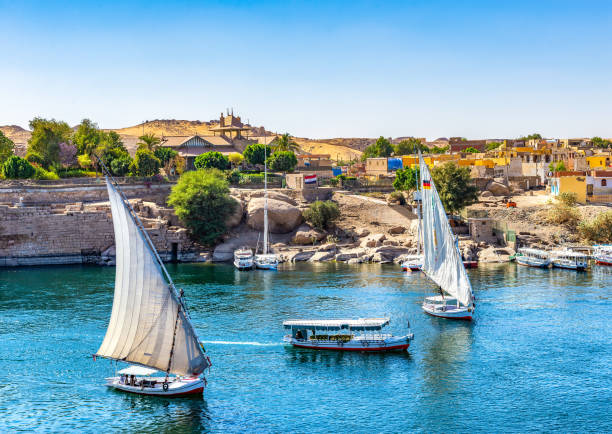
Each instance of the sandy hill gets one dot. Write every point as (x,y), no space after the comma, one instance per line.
(19,136)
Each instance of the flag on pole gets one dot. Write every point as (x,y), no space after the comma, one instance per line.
(310,179)
(426,184)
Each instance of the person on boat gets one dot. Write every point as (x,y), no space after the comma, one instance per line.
(299,335)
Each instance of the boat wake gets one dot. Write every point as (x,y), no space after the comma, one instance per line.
(254,344)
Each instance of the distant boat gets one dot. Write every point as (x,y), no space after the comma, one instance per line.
(442,260)
(345,335)
(266,260)
(243,258)
(603,254)
(470,264)
(149,324)
(533,258)
(570,260)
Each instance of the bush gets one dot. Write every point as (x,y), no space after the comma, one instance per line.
(34,158)
(165,154)
(598,230)
(84,161)
(202,202)
(257,153)
(561,214)
(321,214)
(41,173)
(120,166)
(233,176)
(235,158)
(282,161)
(406,179)
(212,160)
(397,197)
(17,168)
(567,198)
(145,163)
(76,173)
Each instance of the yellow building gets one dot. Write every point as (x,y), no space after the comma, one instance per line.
(598,161)
(569,182)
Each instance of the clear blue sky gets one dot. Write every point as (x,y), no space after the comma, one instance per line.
(316,69)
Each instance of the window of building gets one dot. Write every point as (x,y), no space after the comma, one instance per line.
(604,182)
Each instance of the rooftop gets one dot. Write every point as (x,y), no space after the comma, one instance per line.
(339,324)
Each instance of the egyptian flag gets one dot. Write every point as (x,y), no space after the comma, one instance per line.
(310,179)
(426,184)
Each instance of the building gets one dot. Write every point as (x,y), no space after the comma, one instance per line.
(481,230)
(569,182)
(190,147)
(599,161)
(314,162)
(230,126)
(376,166)
(458,144)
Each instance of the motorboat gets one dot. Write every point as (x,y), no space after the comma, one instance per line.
(149,325)
(413,263)
(364,334)
(603,254)
(533,257)
(570,260)
(266,260)
(442,261)
(243,258)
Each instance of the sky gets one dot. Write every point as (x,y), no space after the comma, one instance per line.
(477,69)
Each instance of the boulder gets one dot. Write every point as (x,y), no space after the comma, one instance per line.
(374,240)
(307,235)
(354,261)
(301,256)
(347,255)
(396,230)
(322,256)
(379,257)
(498,189)
(274,195)
(282,216)
(389,253)
(327,247)
(363,233)
(486,193)
(236,218)
(390,243)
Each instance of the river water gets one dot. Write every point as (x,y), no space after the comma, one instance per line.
(537,357)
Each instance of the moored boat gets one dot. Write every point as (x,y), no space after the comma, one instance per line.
(363,334)
(413,263)
(149,324)
(533,258)
(243,258)
(569,259)
(266,260)
(603,254)
(470,264)
(442,261)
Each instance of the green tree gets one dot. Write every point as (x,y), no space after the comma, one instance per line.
(235,158)
(202,202)
(322,214)
(559,166)
(257,153)
(493,145)
(86,137)
(7,147)
(16,167)
(454,186)
(598,142)
(410,146)
(212,160)
(381,148)
(148,141)
(46,138)
(165,154)
(284,143)
(471,150)
(406,179)
(120,166)
(439,149)
(282,161)
(534,136)
(145,163)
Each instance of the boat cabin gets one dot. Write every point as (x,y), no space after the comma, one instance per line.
(535,253)
(439,300)
(335,330)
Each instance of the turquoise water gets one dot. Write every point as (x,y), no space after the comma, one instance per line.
(537,357)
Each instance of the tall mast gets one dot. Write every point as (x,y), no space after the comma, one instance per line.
(265,234)
(416,175)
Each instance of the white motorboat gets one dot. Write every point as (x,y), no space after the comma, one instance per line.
(570,260)
(345,335)
(243,258)
(603,254)
(266,260)
(533,257)
(442,261)
(149,324)
(413,263)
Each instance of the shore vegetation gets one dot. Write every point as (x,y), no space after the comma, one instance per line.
(322,214)
(597,230)
(454,186)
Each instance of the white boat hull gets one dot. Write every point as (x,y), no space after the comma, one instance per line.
(393,343)
(532,262)
(243,265)
(449,312)
(182,387)
(569,265)
(266,266)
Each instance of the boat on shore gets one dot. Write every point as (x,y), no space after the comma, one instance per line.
(243,258)
(149,324)
(603,254)
(442,261)
(364,334)
(266,260)
(413,263)
(533,258)
(569,259)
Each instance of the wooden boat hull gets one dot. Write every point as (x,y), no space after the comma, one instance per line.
(461,313)
(470,264)
(184,387)
(411,267)
(600,262)
(392,344)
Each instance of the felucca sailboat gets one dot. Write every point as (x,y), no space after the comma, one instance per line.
(149,325)
(442,260)
(266,260)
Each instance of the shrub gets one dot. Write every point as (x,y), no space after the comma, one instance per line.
(406,179)
(34,158)
(76,173)
(120,166)
(257,153)
(145,163)
(212,160)
(233,176)
(598,230)
(471,150)
(561,214)
(235,158)
(321,214)
(84,161)
(41,173)
(165,154)
(567,198)
(202,202)
(397,197)
(282,161)
(16,167)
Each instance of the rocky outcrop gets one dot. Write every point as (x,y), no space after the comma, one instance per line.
(374,240)
(396,230)
(236,218)
(273,195)
(322,256)
(282,216)
(498,189)
(307,235)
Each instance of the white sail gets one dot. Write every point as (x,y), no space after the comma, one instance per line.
(442,261)
(148,324)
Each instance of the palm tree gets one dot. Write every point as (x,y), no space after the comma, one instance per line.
(148,141)
(284,143)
